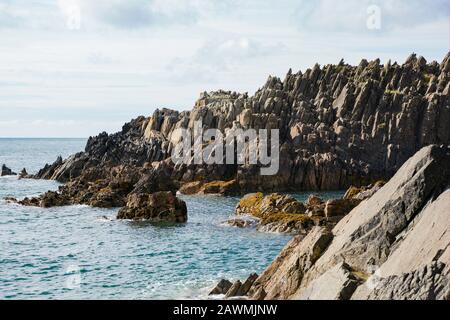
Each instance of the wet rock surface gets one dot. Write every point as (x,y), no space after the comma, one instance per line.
(236,289)
(222,287)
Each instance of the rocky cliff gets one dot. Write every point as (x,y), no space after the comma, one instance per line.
(340,125)
(394,245)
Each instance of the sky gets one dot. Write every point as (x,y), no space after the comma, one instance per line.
(74,68)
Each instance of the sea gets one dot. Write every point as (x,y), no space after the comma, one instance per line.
(79,252)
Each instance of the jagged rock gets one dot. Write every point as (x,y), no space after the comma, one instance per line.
(6,171)
(339,125)
(244,289)
(395,245)
(363,193)
(225,188)
(191,188)
(110,191)
(222,287)
(421,260)
(47,200)
(274,213)
(338,283)
(314,200)
(284,214)
(431,282)
(282,278)
(339,207)
(234,290)
(260,206)
(155,207)
(23,174)
(389,211)
(250,204)
(238,289)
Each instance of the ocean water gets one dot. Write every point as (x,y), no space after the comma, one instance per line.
(78,252)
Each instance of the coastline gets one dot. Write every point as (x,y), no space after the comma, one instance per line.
(340,127)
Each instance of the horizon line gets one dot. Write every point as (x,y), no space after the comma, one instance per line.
(44,137)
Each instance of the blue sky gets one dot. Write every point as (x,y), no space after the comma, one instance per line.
(73,68)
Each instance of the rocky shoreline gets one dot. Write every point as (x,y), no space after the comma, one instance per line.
(394,245)
(341,127)
(279,213)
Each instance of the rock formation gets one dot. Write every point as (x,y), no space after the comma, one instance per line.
(23,174)
(6,171)
(142,194)
(340,125)
(155,207)
(237,289)
(394,245)
(225,188)
(283,213)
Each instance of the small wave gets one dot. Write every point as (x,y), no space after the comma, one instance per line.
(244,221)
(9,177)
(104,219)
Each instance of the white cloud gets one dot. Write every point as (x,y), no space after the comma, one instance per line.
(129,57)
(217,56)
(99,57)
(71,10)
(352,15)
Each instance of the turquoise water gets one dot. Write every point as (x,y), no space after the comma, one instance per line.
(81,252)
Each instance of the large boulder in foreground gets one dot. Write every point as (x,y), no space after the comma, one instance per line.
(394,245)
(154,207)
